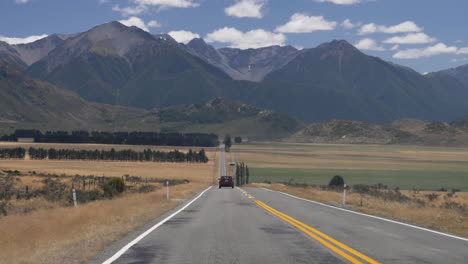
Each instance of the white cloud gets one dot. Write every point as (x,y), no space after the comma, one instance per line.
(243,40)
(412,38)
(141,6)
(21,1)
(15,41)
(395,47)
(301,23)
(246,8)
(405,27)
(154,23)
(348,24)
(183,36)
(130,10)
(463,51)
(138,22)
(167,3)
(342,2)
(437,49)
(368,44)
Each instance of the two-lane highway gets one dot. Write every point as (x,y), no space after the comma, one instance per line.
(229,226)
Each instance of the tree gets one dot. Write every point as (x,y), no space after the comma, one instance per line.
(247,175)
(336,181)
(238,140)
(227,141)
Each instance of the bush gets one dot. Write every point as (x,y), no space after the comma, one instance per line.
(432,196)
(146,188)
(117,184)
(336,181)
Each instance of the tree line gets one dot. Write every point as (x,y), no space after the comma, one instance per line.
(12,153)
(129,138)
(121,155)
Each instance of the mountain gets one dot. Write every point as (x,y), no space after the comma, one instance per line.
(460,73)
(336,80)
(249,64)
(11,55)
(33,52)
(115,64)
(28,102)
(23,55)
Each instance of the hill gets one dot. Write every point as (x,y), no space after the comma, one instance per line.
(27,102)
(222,116)
(412,132)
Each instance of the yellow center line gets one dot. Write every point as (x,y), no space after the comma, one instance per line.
(319,236)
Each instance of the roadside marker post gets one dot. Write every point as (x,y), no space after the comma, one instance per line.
(344,194)
(74,198)
(167,190)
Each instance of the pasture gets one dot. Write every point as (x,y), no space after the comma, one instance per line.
(406,167)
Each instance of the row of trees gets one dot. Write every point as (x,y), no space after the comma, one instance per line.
(12,153)
(242,174)
(122,155)
(129,138)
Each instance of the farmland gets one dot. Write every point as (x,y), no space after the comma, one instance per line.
(406,167)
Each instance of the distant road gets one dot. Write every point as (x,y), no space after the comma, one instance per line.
(254,225)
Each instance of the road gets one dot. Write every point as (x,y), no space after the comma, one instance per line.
(254,225)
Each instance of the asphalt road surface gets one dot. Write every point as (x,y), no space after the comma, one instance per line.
(230,226)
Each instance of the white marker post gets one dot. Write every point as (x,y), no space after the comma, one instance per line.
(167,190)
(74,198)
(344,194)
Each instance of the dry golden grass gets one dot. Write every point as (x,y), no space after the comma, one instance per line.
(393,159)
(38,231)
(73,235)
(446,220)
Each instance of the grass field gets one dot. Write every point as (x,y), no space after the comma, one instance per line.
(41,231)
(198,173)
(407,167)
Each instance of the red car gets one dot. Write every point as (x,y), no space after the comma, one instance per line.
(226,181)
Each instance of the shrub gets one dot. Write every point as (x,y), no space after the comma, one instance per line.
(361,188)
(117,184)
(336,181)
(432,196)
(146,188)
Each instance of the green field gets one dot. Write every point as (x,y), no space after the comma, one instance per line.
(406,167)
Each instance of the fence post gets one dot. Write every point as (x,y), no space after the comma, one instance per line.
(344,194)
(167,190)
(74,198)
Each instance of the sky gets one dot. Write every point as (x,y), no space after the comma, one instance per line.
(426,35)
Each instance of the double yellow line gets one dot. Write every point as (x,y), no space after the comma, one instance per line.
(331,243)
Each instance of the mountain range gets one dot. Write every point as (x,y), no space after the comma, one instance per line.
(118,65)
(29,103)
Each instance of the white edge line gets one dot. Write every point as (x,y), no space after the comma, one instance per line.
(372,216)
(143,235)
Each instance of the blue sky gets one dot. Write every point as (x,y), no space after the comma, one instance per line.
(427,35)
